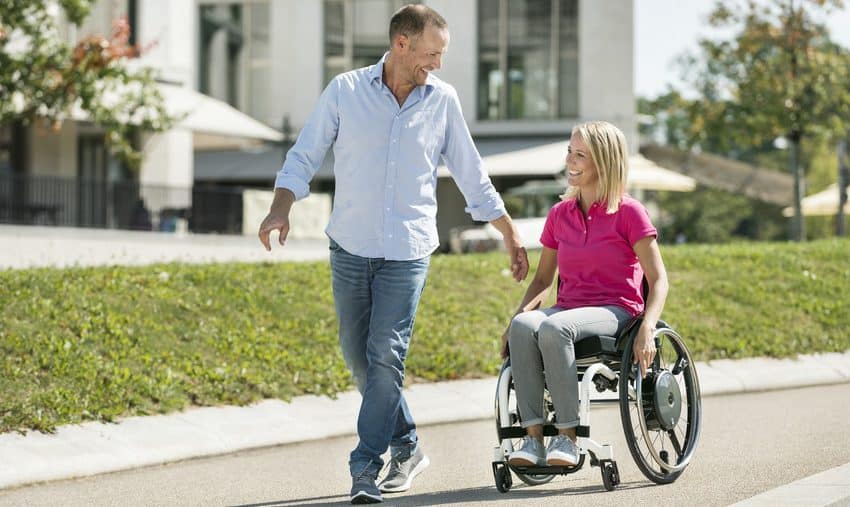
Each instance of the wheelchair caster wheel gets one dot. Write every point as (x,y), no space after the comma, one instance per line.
(503,477)
(610,475)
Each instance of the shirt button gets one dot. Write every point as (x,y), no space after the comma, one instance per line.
(394,140)
(388,209)
(392,162)
(590,218)
(391,235)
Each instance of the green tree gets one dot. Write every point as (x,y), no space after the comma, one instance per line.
(45,79)
(780,76)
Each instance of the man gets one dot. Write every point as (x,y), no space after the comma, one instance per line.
(389,124)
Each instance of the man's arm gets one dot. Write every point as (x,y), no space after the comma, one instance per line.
(302,162)
(483,202)
(513,244)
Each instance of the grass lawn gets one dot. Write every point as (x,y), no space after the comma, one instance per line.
(99,343)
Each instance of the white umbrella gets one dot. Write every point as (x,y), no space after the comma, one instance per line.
(201,114)
(549,159)
(823,203)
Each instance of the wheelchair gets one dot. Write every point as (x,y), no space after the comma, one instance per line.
(661,413)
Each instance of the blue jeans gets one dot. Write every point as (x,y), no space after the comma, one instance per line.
(376,303)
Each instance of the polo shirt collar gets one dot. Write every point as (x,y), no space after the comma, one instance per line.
(595,208)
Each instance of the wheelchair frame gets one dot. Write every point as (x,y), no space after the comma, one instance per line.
(600,361)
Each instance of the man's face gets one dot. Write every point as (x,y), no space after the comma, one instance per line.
(424,53)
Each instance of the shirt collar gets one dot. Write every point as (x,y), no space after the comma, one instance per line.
(376,72)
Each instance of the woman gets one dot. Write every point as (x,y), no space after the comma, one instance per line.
(602,243)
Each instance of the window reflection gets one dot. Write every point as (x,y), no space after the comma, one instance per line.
(356,33)
(528,53)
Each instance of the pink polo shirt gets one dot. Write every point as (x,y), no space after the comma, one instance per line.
(596,259)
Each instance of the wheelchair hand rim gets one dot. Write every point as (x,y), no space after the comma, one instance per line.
(684,460)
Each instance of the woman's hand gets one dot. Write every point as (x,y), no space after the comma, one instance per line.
(644,347)
(505,342)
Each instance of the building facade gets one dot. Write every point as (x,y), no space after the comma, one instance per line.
(526,71)
(521,67)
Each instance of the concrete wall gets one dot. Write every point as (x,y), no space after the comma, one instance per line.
(606,64)
(460,65)
(297,59)
(170,26)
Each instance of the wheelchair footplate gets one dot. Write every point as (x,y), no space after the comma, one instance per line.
(536,475)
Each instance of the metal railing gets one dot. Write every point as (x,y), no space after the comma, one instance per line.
(69,202)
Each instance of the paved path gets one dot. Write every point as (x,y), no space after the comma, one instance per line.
(92,448)
(34,246)
(750,443)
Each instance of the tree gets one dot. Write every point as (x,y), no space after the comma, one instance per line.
(43,78)
(780,76)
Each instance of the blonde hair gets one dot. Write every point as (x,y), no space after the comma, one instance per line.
(607,146)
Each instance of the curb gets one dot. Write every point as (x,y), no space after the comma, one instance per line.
(94,448)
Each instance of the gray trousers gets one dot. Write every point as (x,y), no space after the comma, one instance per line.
(542,340)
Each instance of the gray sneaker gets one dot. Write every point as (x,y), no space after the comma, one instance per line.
(404,466)
(562,451)
(363,489)
(530,453)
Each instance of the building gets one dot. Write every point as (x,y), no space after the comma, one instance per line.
(526,71)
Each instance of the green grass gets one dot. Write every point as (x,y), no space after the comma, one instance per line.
(99,343)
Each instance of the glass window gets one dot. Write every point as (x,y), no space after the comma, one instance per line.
(221,44)
(527,64)
(235,55)
(356,33)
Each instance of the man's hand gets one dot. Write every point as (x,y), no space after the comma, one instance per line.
(513,244)
(519,260)
(274,221)
(278,217)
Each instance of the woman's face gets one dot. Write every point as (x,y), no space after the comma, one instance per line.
(581,171)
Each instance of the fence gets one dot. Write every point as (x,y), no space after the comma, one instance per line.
(68,202)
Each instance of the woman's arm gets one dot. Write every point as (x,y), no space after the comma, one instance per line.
(649,256)
(537,290)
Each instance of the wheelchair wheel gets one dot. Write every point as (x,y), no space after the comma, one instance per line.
(505,395)
(661,413)
(502,474)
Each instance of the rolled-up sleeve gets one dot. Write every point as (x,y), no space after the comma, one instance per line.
(467,169)
(305,157)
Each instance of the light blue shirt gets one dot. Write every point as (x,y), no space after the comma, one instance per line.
(385,163)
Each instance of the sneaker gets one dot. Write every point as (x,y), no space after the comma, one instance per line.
(363,489)
(530,453)
(562,451)
(404,466)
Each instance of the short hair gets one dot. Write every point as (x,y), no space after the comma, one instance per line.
(607,146)
(412,19)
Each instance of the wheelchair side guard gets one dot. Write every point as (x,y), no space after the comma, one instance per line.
(585,443)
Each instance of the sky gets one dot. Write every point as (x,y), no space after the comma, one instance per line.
(665,29)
